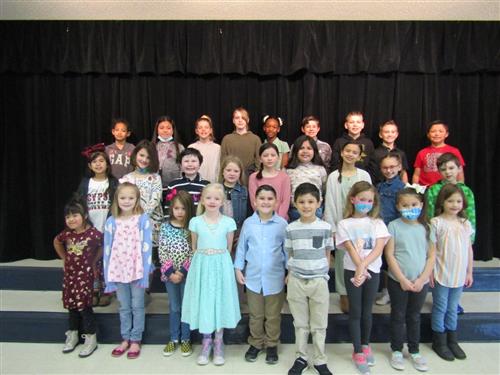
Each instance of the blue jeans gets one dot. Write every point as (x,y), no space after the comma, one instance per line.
(444,308)
(178,329)
(132,316)
(293,214)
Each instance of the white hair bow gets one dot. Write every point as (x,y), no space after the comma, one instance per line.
(418,188)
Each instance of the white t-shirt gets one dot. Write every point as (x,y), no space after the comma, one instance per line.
(363,233)
(98,203)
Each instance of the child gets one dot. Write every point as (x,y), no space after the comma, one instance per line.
(390,166)
(127,264)
(272,126)
(175,256)
(210,297)
(209,169)
(119,152)
(145,175)
(191,181)
(79,246)
(269,175)
(305,165)
(98,192)
(233,181)
(310,127)
(168,148)
(337,187)
(388,133)
(308,242)
(261,255)
(410,253)
(354,125)
(242,142)
(426,171)
(452,271)
(363,235)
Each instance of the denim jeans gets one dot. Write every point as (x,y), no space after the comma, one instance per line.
(132,315)
(444,307)
(178,330)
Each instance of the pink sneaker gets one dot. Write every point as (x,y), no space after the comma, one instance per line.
(367,351)
(359,360)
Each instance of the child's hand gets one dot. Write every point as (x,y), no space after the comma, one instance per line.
(431,279)
(286,279)
(468,280)
(239,276)
(360,271)
(406,285)
(175,278)
(418,284)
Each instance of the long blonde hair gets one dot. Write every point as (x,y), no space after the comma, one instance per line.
(357,188)
(235,160)
(214,186)
(116,210)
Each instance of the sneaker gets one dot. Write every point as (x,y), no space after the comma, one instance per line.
(71,341)
(170,348)
(206,349)
(186,348)
(367,351)
(252,353)
(384,299)
(272,355)
(322,369)
(397,361)
(298,367)
(359,360)
(218,352)
(419,362)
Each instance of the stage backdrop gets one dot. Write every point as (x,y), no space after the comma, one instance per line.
(62,82)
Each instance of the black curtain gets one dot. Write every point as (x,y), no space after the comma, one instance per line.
(62,82)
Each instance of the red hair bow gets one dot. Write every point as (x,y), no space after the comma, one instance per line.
(89,150)
(171,195)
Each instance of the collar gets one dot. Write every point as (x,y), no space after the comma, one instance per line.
(197,177)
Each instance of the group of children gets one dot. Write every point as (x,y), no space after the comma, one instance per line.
(183,211)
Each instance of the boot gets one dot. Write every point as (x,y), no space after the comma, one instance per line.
(453,345)
(71,341)
(89,345)
(344,304)
(440,347)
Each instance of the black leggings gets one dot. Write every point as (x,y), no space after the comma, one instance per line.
(360,308)
(87,319)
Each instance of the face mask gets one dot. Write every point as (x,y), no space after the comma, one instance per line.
(411,213)
(165,139)
(363,208)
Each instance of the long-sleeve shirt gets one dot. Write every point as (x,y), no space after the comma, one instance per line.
(280,183)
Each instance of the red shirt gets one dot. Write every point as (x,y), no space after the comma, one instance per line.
(426,160)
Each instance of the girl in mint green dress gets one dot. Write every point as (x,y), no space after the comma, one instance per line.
(210,301)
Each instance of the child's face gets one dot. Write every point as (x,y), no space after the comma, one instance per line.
(269,158)
(127,199)
(408,201)
(231,173)
(365,199)
(98,165)
(265,202)
(354,125)
(271,128)
(311,129)
(453,205)
(450,171)
(389,133)
(203,130)
(120,132)
(437,134)
(239,121)
(190,165)
(307,204)
(212,200)
(350,154)
(74,221)
(390,167)
(179,211)
(306,152)
(165,129)
(142,158)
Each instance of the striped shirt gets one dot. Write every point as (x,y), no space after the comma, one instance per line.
(306,244)
(194,187)
(452,247)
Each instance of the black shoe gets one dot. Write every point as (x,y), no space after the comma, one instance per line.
(252,353)
(272,355)
(298,367)
(460,310)
(457,351)
(440,346)
(322,369)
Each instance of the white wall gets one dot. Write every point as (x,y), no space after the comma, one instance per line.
(249,10)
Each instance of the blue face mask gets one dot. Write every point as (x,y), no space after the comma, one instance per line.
(363,208)
(411,213)
(165,139)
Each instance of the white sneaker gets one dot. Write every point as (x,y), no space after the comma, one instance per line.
(397,361)
(384,299)
(419,362)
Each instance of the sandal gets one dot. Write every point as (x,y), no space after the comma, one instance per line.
(120,350)
(136,353)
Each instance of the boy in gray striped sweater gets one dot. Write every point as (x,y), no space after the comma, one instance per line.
(308,242)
